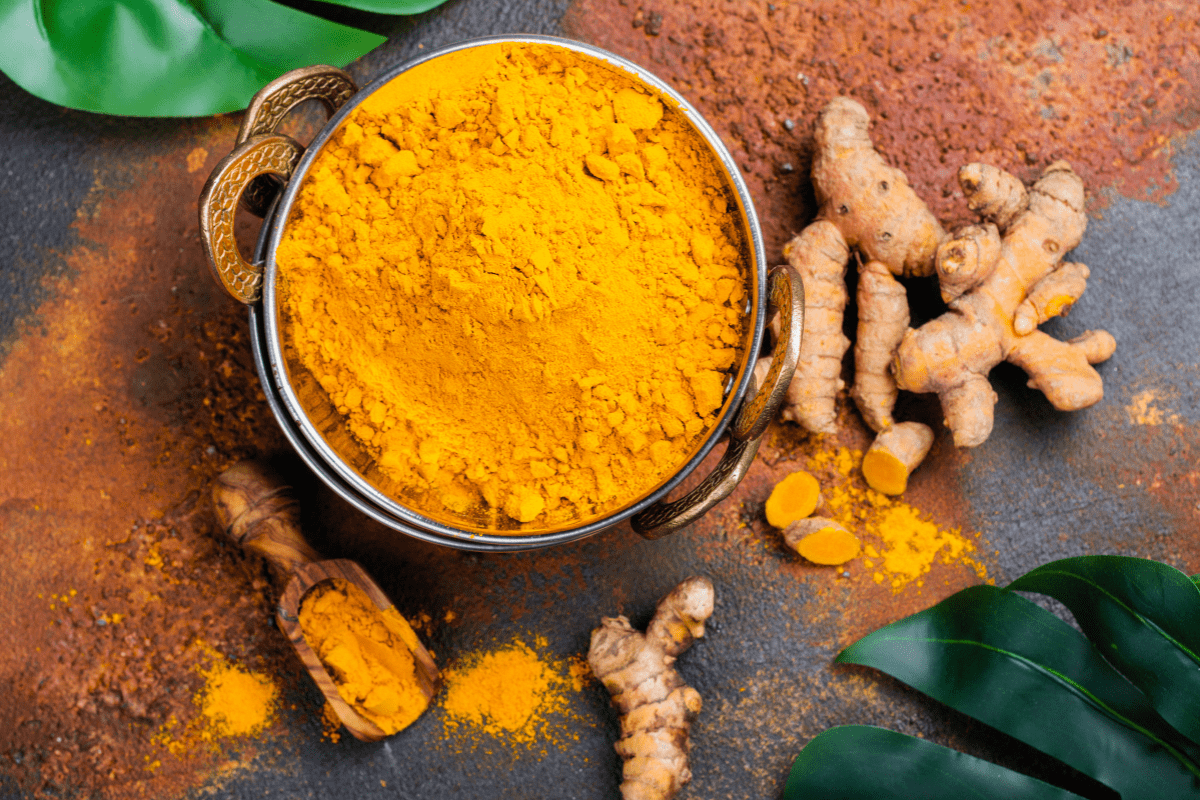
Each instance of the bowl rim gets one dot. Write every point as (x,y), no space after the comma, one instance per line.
(347,481)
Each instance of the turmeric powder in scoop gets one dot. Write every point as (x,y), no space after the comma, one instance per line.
(366,651)
(513,289)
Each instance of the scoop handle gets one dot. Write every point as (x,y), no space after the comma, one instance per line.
(258,511)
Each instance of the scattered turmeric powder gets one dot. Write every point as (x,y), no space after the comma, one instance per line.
(367,652)
(331,723)
(908,542)
(234,701)
(912,544)
(514,274)
(513,692)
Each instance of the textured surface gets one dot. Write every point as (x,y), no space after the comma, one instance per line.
(126,384)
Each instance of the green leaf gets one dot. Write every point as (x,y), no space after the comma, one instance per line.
(1143,617)
(390,6)
(168,58)
(997,657)
(859,762)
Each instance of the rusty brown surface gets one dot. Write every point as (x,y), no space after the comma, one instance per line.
(1105,86)
(133,385)
(135,388)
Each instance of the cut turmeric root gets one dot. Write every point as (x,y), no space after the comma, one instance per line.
(821,541)
(893,456)
(795,497)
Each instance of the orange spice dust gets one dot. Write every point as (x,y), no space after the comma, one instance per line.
(331,723)
(1109,87)
(515,693)
(232,702)
(900,543)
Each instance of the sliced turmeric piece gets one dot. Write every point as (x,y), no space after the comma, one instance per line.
(894,454)
(821,541)
(795,497)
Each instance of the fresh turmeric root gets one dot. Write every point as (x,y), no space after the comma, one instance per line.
(819,254)
(868,206)
(869,201)
(882,321)
(795,497)
(993,317)
(656,707)
(821,541)
(894,454)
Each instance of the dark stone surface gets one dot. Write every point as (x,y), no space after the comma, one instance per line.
(45,173)
(1052,484)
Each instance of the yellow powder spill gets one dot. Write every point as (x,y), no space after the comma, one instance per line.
(331,723)
(233,702)
(196,159)
(908,542)
(515,693)
(1144,411)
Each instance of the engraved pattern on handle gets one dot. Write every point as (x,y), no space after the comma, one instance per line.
(330,85)
(786,293)
(661,519)
(260,155)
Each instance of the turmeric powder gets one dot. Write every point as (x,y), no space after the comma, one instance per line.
(233,702)
(909,542)
(514,273)
(367,652)
(512,692)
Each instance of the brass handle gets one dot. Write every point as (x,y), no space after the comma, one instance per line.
(330,85)
(786,293)
(261,162)
(260,155)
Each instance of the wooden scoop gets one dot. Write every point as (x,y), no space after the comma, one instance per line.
(258,512)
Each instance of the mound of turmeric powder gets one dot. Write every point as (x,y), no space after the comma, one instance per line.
(367,652)
(515,274)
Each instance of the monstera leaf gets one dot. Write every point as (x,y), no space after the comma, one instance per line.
(170,58)
(1118,704)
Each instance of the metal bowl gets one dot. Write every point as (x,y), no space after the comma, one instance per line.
(263,160)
